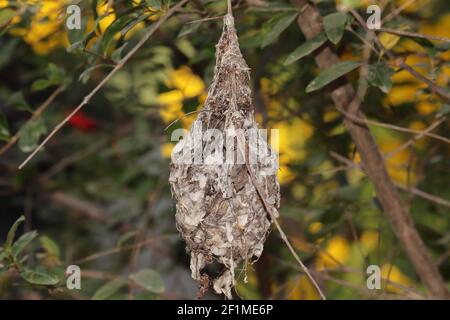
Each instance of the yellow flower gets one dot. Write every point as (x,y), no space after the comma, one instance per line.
(336,253)
(315,227)
(155,14)
(388,40)
(108,16)
(396,278)
(427,107)
(186,84)
(189,84)
(331,115)
(413,6)
(288,141)
(398,164)
(45,32)
(402,94)
(419,64)
(369,240)
(302,289)
(440,29)
(166,149)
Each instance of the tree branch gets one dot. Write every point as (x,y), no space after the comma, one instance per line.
(414,34)
(36,114)
(310,23)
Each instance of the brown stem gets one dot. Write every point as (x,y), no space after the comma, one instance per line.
(310,23)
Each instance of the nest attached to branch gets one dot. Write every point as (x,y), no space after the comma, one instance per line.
(223,197)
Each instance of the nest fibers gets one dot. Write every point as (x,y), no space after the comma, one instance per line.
(223,175)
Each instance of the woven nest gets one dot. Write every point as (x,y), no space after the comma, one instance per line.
(222,205)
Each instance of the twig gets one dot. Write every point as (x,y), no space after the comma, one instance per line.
(420,133)
(397,11)
(270,210)
(411,141)
(414,34)
(88,209)
(35,114)
(424,195)
(412,190)
(119,65)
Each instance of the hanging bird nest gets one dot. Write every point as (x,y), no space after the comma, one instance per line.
(223,175)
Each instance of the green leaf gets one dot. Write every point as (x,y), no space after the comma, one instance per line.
(50,246)
(22,242)
(6,15)
(443,46)
(5,135)
(334,25)
(7,51)
(17,101)
(189,28)
(331,74)
(84,77)
(282,22)
(115,28)
(273,6)
(109,289)
(155,4)
(148,279)
(306,48)
(116,56)
(30,134)
(380,76)
(39,276)
(56,74)
(41,84)
(12,232)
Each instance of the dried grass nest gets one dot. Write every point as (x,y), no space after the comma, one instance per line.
(222,209)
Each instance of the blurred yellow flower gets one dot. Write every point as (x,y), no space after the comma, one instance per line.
(185,85)
(402,94)
(189,84)
(418,63)
(166,149)
(369,240)
(427,107)
(399,163)
(331,115)
(336,252)
(292,137)
(45,32)
(315,227)
(396,278)
(388,40)
(302,289)
(105,11)
(412,6)
(441,28)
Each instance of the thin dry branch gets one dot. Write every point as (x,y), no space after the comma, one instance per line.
(418,133)
(119,65)
(35,115)
(414,34)
(413,190)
